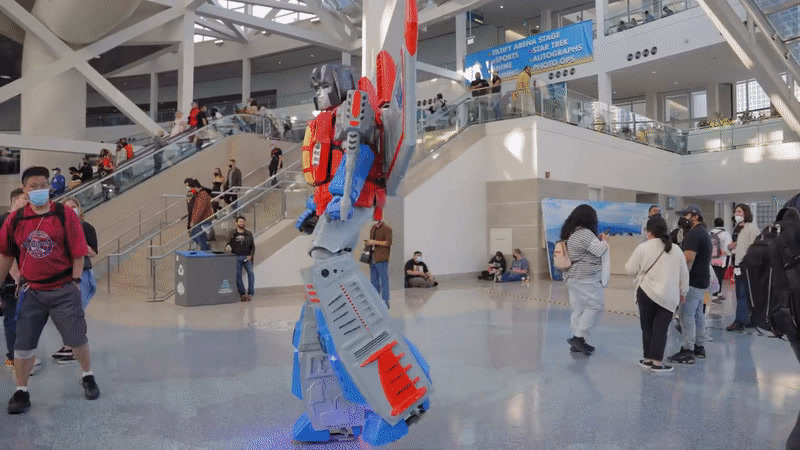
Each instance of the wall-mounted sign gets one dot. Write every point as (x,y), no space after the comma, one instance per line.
(544,52)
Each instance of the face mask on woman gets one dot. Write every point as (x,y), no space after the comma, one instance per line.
(738,218)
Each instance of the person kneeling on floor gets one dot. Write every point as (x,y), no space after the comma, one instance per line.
(417,274)
(495,269)
(519,268)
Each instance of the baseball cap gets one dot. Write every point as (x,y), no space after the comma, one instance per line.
(694,209)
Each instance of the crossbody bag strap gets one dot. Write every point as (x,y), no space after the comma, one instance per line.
(654,263)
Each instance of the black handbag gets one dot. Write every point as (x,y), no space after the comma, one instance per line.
(366,255)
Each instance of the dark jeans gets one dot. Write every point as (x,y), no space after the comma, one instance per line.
(655,321)
(231,199)
(251,280)
(199,237)
(10,322)
(794,438)
(379,276)
(272,171)
(742,304)
(720,272)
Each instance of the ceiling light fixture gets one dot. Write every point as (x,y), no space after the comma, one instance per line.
(5,77)
(501,6)
(311,56)
(219,42)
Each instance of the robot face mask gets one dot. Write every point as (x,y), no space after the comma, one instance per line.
(325,97)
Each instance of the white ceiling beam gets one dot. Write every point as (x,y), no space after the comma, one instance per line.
(331,23)
(69,61)
(279,5)
(61,50)
(445,73)
(151,57)
(214,34)
(213,25)
(255,23)
(50,144)
(429,16)
(169,3)
(237,34)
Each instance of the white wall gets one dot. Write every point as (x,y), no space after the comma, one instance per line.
(283,267)
(446,220)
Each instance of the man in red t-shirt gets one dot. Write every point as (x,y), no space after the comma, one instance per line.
(50,243)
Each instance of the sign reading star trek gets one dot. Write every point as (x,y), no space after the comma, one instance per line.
(544,52)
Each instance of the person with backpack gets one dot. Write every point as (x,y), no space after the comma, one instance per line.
(720,241)
(585,249)
(662,282)
(744,234)
(49,242)
(697,251)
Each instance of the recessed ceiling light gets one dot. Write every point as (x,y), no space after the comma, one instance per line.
(654,71)
(311,56)
(280,62)
(676,82)
(501,6)
(5,77)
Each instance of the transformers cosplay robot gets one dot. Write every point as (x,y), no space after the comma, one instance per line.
(356,374)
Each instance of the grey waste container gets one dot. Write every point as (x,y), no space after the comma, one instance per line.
(205,278)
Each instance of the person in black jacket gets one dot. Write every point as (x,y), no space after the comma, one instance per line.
(244,247)
(497,266)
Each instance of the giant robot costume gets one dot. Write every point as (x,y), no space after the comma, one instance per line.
(356,374)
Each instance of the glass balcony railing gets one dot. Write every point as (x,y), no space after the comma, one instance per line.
(556,104)
(618,21)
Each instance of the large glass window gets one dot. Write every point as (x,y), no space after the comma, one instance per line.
(699,105)
(751,97)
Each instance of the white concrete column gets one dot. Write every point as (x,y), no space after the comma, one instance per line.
(247,75)
(651,104)
(600,10)
(712,99)
(604,88)
(186,64)
(347,59)
(461,41)
(154,96)
(547,20)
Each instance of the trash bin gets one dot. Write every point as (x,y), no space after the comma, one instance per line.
(205,278)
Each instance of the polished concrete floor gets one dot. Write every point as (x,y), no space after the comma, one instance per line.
(218,377)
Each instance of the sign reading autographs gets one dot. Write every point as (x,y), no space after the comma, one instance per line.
(552,50)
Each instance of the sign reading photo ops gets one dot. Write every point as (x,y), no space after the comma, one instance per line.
(544,52)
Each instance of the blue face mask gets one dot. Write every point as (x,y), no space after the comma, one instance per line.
(39,197)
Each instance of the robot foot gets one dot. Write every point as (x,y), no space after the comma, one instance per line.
(303,431)
(378,432)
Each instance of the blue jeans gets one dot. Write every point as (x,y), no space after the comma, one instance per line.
(199,237)
(251,280)
(742,304)
(693,321)
(10,323)
(88,287)
(511,276)
(379,275)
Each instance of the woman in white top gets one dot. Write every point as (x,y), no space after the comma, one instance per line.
(662,281)
(744,234)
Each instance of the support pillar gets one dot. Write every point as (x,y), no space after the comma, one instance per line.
(347,59)
(651,104)
(546,20)
(384,19)
(600,10)
(247,75)
(154,96)
(604,88)
(712,100)
(461,41)
(186,64)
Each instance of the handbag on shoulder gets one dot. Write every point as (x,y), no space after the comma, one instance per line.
(366,255)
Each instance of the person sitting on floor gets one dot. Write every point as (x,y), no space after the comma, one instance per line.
(417,274)
(519,268)
(497,266)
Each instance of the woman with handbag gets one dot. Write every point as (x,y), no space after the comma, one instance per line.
(662,281)
(584,278)
(744,234)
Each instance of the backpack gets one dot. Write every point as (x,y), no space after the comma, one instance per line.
(58,211)
(561,256)
(772,268)
(716,245)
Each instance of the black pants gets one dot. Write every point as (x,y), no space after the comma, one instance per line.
(720,272)
(272,171)
(655,321)
(794,438)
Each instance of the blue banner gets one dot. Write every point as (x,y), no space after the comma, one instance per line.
(617,219)
(544,52)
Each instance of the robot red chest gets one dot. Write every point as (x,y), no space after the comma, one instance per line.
(322,157)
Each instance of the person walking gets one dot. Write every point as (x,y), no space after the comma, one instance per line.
(720,254)
(199,211)
(662,281)
(88,283)
(50,244)
(584,279)
(380,238)
(276,163)
(216,188)
(232,180)
(521,97)
(697,250)
(744,234)
(243,246)
(8,298)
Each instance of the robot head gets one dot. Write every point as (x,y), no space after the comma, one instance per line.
(331,82)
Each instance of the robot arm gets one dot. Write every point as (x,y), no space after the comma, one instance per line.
(355,127)
(308,219)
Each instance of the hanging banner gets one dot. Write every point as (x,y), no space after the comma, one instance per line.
(544,52)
